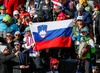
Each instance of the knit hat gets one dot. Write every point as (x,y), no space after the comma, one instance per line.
(15,12)
(2,48)
(2,7)
(80,18)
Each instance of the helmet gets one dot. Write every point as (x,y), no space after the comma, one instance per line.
(8,19)
(53,61)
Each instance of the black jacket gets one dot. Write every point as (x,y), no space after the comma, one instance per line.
(5,63)
(17,62)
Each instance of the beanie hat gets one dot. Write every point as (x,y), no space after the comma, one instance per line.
(2,48)
(7,18)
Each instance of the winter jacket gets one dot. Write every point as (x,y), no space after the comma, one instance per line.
(21,59)
(12,28)
(86,17)
(5,63)
(2,25)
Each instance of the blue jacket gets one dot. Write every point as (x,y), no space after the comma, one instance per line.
(12,28)
(2,25)
(86,17)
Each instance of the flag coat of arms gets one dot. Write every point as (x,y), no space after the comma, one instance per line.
(52,34)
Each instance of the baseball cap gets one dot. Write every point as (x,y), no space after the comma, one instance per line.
(15,12)
(80,18)
(27,29)
(16,42)
(2,7)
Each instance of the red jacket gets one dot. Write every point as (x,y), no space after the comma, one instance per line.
(22,16)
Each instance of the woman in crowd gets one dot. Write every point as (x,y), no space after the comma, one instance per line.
(23,13)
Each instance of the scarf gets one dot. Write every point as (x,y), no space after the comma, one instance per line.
(29,41)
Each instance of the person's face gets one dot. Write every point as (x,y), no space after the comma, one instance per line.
(28,33)
(79,23)
(55,66)
(3,11)
(16,16)
(17,36)
(9,36)
(17,47)
(22,10)
(6,51)
(84,33)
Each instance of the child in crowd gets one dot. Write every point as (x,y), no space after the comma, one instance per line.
(86,52)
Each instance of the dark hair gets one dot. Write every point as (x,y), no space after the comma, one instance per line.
(31,2)
(21,7)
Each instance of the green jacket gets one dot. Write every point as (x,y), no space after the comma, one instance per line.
(89,42)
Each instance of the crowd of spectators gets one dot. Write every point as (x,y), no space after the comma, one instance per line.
(17,53)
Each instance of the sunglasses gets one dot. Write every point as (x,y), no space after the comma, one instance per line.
(17,35)
(16,15)
(8,35)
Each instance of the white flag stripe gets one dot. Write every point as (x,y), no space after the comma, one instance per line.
(52,25)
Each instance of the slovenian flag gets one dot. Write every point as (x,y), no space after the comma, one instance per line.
(52,34)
